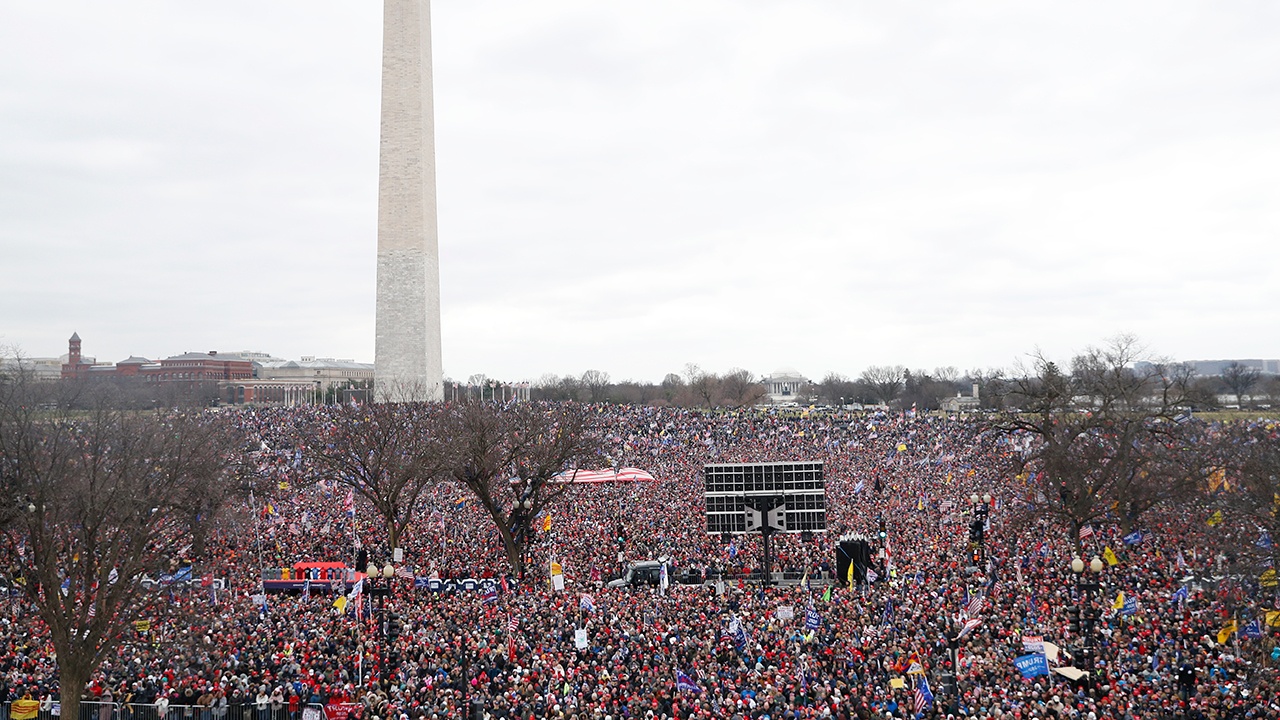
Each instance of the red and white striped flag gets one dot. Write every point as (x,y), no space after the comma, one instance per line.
(512,626)
(1086,532)
(969,625)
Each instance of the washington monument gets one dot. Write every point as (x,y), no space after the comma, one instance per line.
(407,363)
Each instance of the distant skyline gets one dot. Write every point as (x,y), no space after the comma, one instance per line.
(630,188)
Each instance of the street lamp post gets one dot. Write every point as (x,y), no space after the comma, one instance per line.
(1084,617)
(388,625)
(978,529)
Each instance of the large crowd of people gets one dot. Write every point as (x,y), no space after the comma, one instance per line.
(935,635)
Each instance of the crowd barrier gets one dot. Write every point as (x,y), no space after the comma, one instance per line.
(95,710)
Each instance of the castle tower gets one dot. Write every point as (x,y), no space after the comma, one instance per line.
(407,362)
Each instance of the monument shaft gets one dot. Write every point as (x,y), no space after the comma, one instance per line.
(407,363)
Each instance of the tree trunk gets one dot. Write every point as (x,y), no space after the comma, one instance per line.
(393,535)
(514,547)
(199,535)
(71,684)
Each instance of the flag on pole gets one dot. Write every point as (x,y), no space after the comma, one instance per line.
(1130,606)
(976,603)
(849,577)
(1119,603)
(350,505)
(923,697)
(587,604)
(812,620)
(490,595)
(684,683)
(1109,555)
(1227,631)
(1086,532)
(969,625)
(1179,595)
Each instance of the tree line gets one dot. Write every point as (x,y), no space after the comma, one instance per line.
(893,386)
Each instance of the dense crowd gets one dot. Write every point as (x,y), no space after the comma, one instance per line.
(727,650)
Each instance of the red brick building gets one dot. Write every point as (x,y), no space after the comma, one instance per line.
(187,367)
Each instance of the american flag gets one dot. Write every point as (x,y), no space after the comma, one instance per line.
(404,571)
(512,625)
(923,697)
(976,603)
(1086,532)
(969,625)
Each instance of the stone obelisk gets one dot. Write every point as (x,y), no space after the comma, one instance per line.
(407,363)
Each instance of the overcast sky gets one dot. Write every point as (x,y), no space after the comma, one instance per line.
(634,186)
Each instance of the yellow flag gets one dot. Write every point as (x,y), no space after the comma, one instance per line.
(1226,632)
(1215,519)
(546,523)
(1110,556)
(556,569)
(1268,579)
(1273,618)
(1119,603)
(902,447)
(849,577)
(25,709)
(897,683)
(1216,479)
(341,603)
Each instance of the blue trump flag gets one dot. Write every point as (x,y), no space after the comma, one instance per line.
(1032,665)
(812,621)
(1130,606)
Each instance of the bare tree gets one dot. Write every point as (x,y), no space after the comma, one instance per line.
(104,497)
(596,384)
(739,389)
(1240,380)
(885,381)
(508,458)
(1102,436)
(389,454)
(1251,468)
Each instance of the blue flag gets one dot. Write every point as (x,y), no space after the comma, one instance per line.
(1180,595)
(812,621)
(1252,630)
(1130,605)
(738,633)
(686,683)
(1133,538)
(1032,665)
(1264,541)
